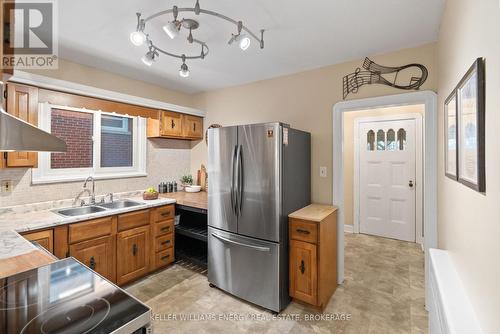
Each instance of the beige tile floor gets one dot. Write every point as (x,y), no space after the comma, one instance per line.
(383,293)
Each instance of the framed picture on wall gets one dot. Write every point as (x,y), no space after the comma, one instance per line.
(471,127)
(450,134)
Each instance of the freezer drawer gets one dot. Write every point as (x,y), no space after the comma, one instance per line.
(245,267)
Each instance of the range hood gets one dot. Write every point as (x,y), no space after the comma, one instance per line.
(18,135)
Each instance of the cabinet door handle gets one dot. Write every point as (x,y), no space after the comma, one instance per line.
(302,231)
(134,249)
(166,228)
(194,126)
(165,214)
(163,258)
(302,267)
(92,263)
(173,124)
(166,242)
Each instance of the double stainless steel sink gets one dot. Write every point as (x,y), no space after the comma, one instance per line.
(86,210)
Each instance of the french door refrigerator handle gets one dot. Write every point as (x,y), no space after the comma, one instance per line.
(239,178)
(233,192)
(259,248)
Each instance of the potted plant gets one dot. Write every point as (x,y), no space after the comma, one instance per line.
(187,180)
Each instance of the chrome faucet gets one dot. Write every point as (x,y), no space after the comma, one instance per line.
(82,202)
(92,194)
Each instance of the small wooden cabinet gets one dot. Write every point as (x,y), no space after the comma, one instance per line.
(192,127)
(174,125)
(133,248)
(22,102)
(43,238)
(93,243)
(170,124)
(97,254)
(313,254)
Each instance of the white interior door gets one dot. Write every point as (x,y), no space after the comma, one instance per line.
(387,179)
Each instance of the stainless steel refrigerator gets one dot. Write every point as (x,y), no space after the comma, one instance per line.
(257,175)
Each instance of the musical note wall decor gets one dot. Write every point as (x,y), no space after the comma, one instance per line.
(373,74)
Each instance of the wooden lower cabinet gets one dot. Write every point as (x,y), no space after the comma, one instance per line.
(133,247)
(303,271)
(121,248)
(162,230)
(43,238)
(313,254)
(97,254)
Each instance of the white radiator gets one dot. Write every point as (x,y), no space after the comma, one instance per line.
(450,311)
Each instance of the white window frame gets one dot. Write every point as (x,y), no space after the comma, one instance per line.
(45,174)
(113,129)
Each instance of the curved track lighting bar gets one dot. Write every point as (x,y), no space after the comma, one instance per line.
(212,13)
(204,50)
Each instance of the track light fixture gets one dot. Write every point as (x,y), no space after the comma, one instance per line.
(184,71)
(243,37)
(150,57)
(138,37)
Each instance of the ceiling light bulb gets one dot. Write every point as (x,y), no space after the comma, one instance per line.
(148,58)
(244,42)
(171,30)
(137,38)
(184,71)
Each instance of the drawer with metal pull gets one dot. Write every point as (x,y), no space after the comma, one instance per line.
(164,242)
(163,227)
(164,213)
(303,230)
(164,257)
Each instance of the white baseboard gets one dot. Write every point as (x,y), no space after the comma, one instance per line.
(348,228)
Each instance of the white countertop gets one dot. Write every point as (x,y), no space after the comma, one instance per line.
(13,222)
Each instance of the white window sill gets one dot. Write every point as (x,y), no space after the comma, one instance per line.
(73,178)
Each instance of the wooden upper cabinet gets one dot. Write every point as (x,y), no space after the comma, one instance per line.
(173,125)
(4,44)
(22,102)
(170,124)
(192,127)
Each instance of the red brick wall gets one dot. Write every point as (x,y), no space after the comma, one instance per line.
(76,129)
(116,149)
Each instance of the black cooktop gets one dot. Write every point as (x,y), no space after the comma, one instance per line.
(67,297)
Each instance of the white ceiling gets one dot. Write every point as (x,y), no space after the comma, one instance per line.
(300,35)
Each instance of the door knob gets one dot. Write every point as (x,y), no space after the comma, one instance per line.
(410,184)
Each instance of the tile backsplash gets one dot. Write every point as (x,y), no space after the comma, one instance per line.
(167,160)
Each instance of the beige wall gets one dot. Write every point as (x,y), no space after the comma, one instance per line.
(305,101)
(349,134)
(468,222)
(94,77)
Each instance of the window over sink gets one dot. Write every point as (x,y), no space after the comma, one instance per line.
(104,145)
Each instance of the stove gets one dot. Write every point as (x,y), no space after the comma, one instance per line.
(66,297)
